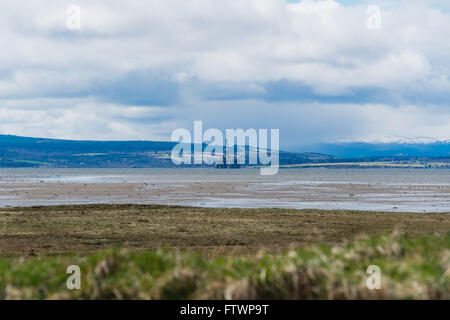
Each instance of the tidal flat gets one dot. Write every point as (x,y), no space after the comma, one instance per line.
(394,190)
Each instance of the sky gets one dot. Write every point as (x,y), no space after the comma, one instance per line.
(137,70)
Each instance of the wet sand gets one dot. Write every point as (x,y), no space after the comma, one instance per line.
(229,193)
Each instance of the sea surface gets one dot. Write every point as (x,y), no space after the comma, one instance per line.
(412,190)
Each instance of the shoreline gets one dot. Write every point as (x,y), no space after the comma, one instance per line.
(181,206)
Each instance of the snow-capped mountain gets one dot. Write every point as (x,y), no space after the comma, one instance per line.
(383,146)
(388,138)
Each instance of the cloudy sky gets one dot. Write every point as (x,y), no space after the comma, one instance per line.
(140,69)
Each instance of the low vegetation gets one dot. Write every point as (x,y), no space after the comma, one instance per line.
(411,268)
(169,252)
(84,229)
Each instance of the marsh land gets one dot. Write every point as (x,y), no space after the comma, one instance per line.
(81,229)
(168,252)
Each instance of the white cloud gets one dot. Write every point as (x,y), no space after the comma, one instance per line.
(52,79)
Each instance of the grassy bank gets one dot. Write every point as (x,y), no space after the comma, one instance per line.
(411,268)
(167,252)
(84,229)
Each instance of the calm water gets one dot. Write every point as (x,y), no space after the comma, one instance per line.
(364,189)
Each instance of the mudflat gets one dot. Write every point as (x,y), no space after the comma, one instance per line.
(238,194)
(82,229)
(393,190)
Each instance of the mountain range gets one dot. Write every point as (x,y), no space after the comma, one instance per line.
(18,151)
(405,148)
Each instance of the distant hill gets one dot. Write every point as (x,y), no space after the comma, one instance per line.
(38,152)
(18,151)
(396,149)
(58,145)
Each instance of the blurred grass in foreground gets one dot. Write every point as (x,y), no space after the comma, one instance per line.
(412,268)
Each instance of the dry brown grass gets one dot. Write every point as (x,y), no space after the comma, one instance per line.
(83,229)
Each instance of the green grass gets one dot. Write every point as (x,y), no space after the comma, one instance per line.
(412,268)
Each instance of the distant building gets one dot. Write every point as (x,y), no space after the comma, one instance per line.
(225,165)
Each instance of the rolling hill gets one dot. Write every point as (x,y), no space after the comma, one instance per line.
(18,151)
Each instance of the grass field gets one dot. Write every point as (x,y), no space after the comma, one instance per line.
(163,252)
(411,268)
(85,229)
